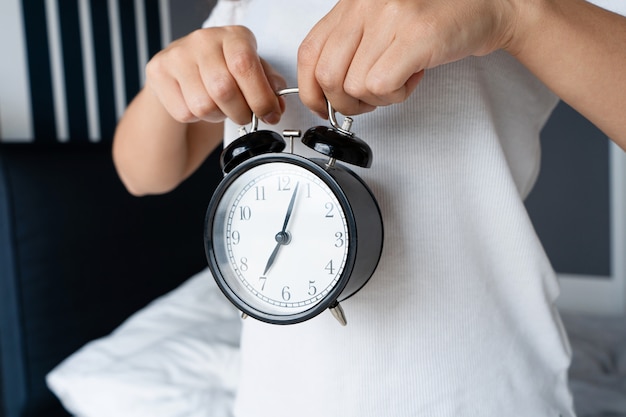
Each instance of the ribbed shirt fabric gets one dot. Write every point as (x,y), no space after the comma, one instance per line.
(459,318)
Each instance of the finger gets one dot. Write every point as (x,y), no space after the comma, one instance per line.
(201,98)
(397,73)
(311,94)
(277,83)
(324,60)
(166,88)
(171,97)
(372,47)
(223,96)
(252,81)
(332,66)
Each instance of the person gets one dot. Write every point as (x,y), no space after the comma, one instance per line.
(459,318)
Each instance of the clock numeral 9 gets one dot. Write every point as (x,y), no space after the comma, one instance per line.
(235,237)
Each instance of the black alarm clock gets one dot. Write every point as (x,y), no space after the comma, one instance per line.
(287,237)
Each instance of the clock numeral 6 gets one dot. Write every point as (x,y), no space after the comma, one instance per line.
(286,294)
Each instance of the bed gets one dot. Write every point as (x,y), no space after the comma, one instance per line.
(179,357)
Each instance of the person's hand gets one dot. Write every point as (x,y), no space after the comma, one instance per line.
(369,53)
(213,74)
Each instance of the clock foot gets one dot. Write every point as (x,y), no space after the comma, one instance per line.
(337,312)
(244,316)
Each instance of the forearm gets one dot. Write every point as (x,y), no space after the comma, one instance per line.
(579,51)
(153,153)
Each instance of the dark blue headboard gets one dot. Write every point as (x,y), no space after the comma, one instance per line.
(74,65)
(78,254)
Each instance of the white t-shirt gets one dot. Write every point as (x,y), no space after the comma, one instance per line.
(458,320)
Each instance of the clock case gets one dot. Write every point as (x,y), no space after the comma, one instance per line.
(364,219)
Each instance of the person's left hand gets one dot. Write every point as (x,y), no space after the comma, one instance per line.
(369,53)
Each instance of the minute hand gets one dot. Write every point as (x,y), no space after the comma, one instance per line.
(282,237)
(290,208)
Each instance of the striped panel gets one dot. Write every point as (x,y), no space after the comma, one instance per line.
(73,65)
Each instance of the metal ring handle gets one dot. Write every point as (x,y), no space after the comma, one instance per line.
(295,90)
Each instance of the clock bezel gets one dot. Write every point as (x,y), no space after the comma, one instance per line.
(321,171)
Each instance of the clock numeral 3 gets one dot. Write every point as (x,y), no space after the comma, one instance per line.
(339,241)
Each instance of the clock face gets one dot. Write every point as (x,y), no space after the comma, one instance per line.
(280,238)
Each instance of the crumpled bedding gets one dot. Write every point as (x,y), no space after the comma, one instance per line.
(179,356)
(598,370)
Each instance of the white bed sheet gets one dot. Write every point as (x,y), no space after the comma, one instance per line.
(598,371)
(179,357)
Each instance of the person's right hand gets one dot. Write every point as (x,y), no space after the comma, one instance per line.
(215,73)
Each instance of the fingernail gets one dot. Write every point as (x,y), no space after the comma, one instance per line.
(271,118)
(323,115)
(278,83)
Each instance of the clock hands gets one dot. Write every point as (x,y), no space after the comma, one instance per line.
(290,208)
(283,237)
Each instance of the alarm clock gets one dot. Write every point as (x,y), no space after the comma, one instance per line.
(288,237)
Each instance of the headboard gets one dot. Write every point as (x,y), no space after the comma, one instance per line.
(78,254)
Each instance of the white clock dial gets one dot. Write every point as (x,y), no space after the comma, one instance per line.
(284,236)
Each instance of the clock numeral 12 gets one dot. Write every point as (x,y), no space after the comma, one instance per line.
(283,183)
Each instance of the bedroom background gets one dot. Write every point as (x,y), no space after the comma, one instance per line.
(67,228)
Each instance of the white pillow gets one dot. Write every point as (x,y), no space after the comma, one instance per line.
(179,356)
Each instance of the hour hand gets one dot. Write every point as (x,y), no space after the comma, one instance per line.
(270,261)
